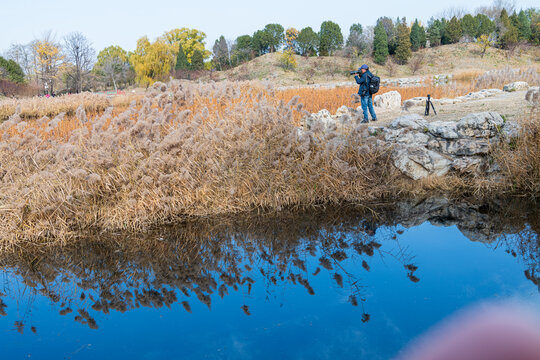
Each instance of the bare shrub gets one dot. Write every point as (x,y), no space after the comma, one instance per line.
(391,67)
(417,62)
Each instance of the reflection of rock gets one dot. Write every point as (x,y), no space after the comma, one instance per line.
(471,219)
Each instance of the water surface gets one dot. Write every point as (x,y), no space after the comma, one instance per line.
(341,283)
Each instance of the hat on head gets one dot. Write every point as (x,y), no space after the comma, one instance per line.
(364,67)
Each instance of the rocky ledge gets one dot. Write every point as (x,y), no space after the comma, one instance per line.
(421,148)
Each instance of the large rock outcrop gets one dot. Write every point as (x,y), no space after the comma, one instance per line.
(432,149)
(421,148)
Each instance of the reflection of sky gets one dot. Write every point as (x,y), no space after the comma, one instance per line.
(290,324)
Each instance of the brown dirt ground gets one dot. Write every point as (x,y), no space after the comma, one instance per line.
(511,105)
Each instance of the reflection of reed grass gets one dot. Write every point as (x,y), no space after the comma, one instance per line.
(190,262)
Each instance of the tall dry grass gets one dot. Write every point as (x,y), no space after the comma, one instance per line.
(519,159)
(498,78)
(189,150)
(37,107)
(331,99)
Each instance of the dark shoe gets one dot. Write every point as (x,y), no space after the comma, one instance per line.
(374,119)
(365,121)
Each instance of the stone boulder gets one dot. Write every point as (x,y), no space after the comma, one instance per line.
(484,124)
(389,100)
(410,122)
(516,86)
(443,129)
(417,162)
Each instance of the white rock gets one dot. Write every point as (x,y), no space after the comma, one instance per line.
(412,122)
(516,86)
(444,129)
(389,100)
(484,124)
(418,162)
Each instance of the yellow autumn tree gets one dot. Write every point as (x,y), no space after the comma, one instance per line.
(48,61)
(291,34)
(484,42)
(191,40)
(287,60)
(152,61)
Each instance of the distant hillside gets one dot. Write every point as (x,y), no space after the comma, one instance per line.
(455,58)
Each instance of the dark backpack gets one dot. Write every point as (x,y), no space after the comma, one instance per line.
(374,83)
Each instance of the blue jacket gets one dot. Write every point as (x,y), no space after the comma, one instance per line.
(363,81)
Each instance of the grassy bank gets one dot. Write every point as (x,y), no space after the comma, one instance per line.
(197,150)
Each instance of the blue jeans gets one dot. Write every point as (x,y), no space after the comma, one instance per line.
(367,103)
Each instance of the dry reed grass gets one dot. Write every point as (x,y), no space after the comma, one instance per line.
(467,74)
(498,78)
(189,150)
(331,99)
(37,107)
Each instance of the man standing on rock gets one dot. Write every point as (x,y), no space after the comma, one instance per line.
(365,96)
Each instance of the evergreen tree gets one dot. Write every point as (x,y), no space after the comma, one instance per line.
(10,70)
(434,32)
(308,42)
(241,50)
(330,38)
(390,30)
(484,25)
(469,26)
(534,15)
(181,59)
(197,60)
(260,42)
(524,26)
(403,50)
(276,36)
(508,33)
(445,38)
(221,53)
(454,30)
(418,36)
(380,45)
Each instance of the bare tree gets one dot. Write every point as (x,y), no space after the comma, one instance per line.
(452,11)
(494,10)
(22,55)
(79,52)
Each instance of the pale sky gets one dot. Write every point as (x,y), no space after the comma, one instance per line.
(108,22)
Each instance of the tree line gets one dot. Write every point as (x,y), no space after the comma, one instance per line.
(72,65)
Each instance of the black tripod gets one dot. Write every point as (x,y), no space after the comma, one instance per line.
(428,103)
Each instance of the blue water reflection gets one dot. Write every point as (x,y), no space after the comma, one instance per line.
(370,304)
